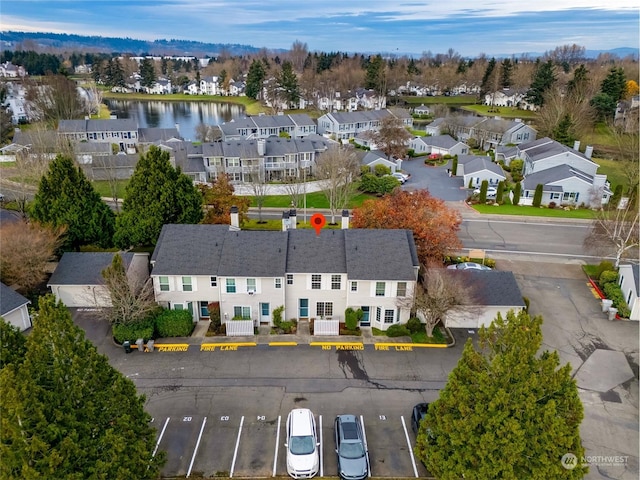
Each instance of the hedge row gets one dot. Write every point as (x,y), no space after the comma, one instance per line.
(613,293)
(170,323)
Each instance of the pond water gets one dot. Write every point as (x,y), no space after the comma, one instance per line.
(187,115)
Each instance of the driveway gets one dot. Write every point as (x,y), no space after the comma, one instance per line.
(434,179)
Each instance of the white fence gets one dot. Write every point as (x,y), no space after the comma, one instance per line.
(239,328)
(326,327)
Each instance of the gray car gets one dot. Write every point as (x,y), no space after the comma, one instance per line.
(351,448)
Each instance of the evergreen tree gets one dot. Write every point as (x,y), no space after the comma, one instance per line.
(614,84)
(483,191)
(114,74)
(604,106)
(563,131)
(488,72)
(255,77)
(543,79)
(374,76)
(66,413)
(66,197)
(504,401)
(148,73)
(500,192)
(157,194)
(506,73)
(537,196)
(517,191)
(12,344)
(288,83)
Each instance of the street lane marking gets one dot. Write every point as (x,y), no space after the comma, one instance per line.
(275,455)
(366,446)
(338,345)
(321,453)
(171,347)
(195,450)
(407,347)
(406,435)
(211,347)
(235,452)
(155,450)
(283,344)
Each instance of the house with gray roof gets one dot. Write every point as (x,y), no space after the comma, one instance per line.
(566,185)
(77,280)
(435,127)
(122,132)
(264,126)
(491,132)
(251,273)
(476,169)
(629,281)
(489,292)
(346,125)
(378,157)
(545,153)
(439,144)
(14,308)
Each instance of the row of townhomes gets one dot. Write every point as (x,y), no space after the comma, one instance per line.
(251,273)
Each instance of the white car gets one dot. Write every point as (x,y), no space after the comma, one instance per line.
(303,459)
(491,191)
(468,266)
(402,177)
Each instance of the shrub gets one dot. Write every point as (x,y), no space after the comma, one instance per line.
(411,152)
(397,330)
(381,170)
(414,325)
(454,166)
(537,196)
(607,276)
(500,192)
(133,332)
(527,302)
(552,205)
(483,191)
(613,293)
(288,326)
(214,316)
(350,319)
(277,315)
(470,183)
(516,193)
(602,267)
(174,323)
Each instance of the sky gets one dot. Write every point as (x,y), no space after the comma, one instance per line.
(470,27)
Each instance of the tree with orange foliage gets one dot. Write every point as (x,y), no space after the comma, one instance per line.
(218,200)
(435,226)
(631,89)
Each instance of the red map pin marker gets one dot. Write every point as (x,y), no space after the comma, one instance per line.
(317,222)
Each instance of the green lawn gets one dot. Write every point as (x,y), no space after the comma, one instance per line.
(533,211)
(314,200)
(104,189)
(7,164)
(505,112)
(614,170)
(455,100)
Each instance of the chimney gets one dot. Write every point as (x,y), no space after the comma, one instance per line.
(588,151)
(292,219)
(345,219)
(285,221)
(261,143)
(235,219)
(576,145)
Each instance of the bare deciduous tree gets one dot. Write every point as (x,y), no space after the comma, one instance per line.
(132,300)
(259,188)
(439,294)
(614,232)
(391,137)
(25,250)
(338,168)
(54,98)
(295,189)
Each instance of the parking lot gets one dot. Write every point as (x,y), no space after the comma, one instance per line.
(252,444)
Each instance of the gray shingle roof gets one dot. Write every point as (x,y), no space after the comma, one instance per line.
(253,254)
(491,288)
(483,163)
(311,253)
(554,174)
(441,141)
(361,246)
(155,134)
(189,249)
(10,299)
(84,268)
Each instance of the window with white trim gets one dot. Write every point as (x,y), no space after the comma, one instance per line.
(278,283)
(231,285)
(251,285)
(354,286)
(186,284)
(324,309)
(402,289)
(164,284)
(289,279)
(388,316)
(242,313)
(336,282)
(378,314)
(214,281)
(316,282)
(380,287)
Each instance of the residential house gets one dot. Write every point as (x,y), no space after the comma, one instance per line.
(422,110)
(378,157)
(9,70)
(545,153)
(14,308)
(629,279)
(436,127)
(209,85)
(343,126)
(264,126)
(439,144)
(509,97)
(489,292)
(566,185)
(491,132)
(250,273)
(368,99)
(162,86)
(461,126)
(120,132)
(476,169)
(77,280)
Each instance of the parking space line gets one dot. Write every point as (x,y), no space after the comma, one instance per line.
(275,455)
(366,445)
(155,450)
(235,452)
(406,434)
(195,450)
(321,455)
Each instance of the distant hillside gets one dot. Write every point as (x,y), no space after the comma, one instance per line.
(64,42)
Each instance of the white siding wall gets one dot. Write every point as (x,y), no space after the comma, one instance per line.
(629,291)
(566,158)
(19,318)
(477,317)
(88,296)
